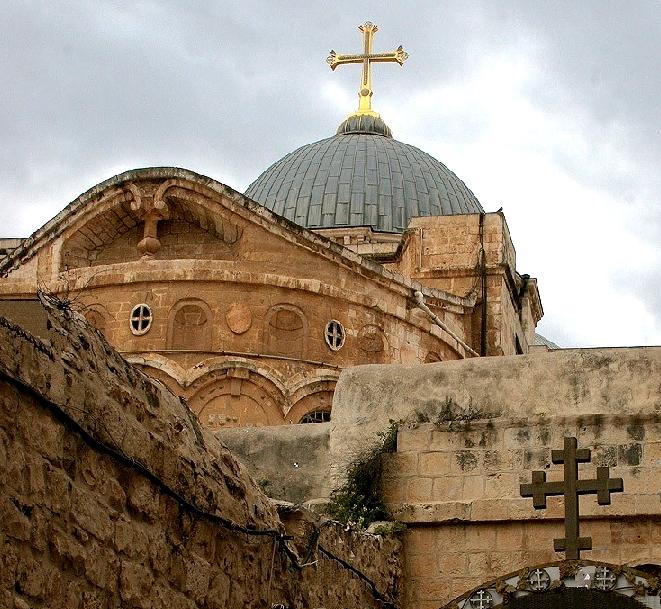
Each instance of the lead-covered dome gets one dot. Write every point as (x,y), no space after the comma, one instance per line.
(361,177)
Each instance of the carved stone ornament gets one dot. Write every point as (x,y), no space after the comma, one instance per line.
(151,210)
(239,318)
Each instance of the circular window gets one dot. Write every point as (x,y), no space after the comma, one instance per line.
(604,578)
(539,580)
(334,334)
(480,599)
(317,416)
(140,319)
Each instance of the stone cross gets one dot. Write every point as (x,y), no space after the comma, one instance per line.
(571,487)
(367,58)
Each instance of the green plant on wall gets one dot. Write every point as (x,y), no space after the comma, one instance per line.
(358,501)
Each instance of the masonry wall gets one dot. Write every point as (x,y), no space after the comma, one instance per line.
(445,252)
(239,299)
(290,462)
(473,431)
(456,484)
(111,495)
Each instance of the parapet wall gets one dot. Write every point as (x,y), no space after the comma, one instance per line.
(581,382)
(472,432)
(111,495)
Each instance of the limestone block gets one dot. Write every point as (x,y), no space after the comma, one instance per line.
(434,464)
(419,490)
(480,537)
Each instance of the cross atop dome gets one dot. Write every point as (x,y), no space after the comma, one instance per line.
(365,92)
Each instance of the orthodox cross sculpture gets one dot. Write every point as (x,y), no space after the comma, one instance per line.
(571,487)
(367,58)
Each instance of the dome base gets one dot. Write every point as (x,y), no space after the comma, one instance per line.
(364,123)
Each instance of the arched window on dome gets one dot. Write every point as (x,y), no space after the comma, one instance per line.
(285,331)
(190,326)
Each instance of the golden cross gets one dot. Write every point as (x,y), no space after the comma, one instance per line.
(367,58)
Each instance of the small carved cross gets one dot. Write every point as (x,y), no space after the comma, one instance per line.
(399,56)
(571,487)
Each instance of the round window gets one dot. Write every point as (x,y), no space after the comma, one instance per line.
(334,334)
(141,318)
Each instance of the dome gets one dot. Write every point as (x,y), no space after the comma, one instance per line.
(361,177)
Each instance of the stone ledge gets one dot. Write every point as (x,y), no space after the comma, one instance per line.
(518,510)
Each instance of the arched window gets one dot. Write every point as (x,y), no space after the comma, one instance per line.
(97,319)
(189,327)
(237,397)
(316,416)
(286,331)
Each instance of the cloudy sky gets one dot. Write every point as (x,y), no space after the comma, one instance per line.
(547,108)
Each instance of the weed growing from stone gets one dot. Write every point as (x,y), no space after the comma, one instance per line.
(358,501)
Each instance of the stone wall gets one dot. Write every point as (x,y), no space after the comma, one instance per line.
(473,431)
(445,252)
(456,485)
(290,462)
(111,495)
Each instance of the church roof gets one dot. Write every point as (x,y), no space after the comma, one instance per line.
(361,178)
(542,340)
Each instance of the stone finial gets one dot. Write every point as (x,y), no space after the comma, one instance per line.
(151,210)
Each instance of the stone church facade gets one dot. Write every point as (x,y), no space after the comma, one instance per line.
(356,249)
(251,317)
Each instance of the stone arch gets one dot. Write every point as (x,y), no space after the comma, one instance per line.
(237,396)
(97,315)
(109,231)
(162,368)
(314,396)
(190,325)
(575,598)
(108,234)
(285,331)
(373,343)
(559,585)
(432,357)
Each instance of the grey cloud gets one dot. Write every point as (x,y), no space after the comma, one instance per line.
(226,88)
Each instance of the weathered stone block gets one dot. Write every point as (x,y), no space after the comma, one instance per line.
(480,537)
(419,489)
(448,488)
(413,440)
(473,488)
(91,515)
(13,522)
(135,582)
(434,464)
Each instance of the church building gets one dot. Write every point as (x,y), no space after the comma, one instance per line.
(261,310)
(355,249)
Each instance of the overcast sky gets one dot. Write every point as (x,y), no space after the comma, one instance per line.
(549,109)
